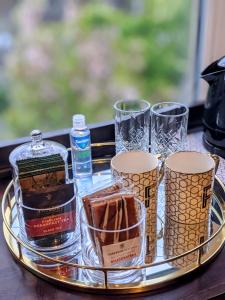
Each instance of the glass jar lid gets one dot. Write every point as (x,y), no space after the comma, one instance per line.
(37,148)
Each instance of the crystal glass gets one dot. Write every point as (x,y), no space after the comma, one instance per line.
(169,122)
(114,248)
(132,118)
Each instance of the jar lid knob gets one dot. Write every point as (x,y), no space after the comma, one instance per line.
(36,140)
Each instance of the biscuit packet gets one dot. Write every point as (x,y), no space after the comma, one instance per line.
(112,213)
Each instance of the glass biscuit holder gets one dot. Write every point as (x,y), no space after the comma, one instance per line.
(56,244)
(114,254)
(96,255)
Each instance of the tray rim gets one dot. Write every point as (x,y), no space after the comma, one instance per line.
(143,286)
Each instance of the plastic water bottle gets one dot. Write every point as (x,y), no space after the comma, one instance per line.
(81,147)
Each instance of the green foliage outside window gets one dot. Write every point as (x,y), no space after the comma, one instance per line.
(94,55)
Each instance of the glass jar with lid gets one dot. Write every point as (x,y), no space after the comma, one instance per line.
(45,195)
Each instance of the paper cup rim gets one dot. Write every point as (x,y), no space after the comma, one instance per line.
(133,173)
(189,173)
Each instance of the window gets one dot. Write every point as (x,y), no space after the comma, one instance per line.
(61,57)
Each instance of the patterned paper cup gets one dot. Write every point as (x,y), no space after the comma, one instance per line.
(189,178)
(140,169)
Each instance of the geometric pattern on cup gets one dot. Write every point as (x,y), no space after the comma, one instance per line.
(188,196)
(180,238)
(145,187)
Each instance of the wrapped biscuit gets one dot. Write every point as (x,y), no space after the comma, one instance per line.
(98,193)
(112,212)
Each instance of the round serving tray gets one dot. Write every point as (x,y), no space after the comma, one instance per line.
(177,249)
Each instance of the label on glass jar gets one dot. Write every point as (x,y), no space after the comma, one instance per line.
(48,203)
(49,211)
(117,253)
(50,225)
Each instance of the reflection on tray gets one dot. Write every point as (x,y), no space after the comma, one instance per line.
(180,238)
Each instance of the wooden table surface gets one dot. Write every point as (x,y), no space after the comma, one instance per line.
(18,283)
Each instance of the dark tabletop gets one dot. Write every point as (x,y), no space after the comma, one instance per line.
(18,283)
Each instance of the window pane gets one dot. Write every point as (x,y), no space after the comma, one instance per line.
(61,57)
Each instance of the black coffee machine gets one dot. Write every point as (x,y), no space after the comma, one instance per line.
(214,114)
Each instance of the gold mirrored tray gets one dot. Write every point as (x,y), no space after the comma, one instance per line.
(177,249)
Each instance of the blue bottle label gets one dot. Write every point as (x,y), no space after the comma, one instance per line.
(81,142)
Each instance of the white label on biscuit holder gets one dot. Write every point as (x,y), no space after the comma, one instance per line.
(121,252)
